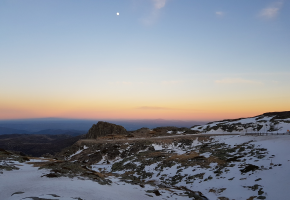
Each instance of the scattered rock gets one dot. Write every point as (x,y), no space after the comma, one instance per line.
(223,198)
(254,187)
(260,192)
(252,198)
(17,193)
(156,192)
(249,167)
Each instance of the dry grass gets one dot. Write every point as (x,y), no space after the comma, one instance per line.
(168,189)
(38,164)
(152,132)
(156,154)
(223,198)
(112,137)
(141,134)
(100,175)
(44,159)
(213,159)
(144,136)
(252,198)
(108,174)
(217,191)
(128,173)
(204,139)
(42,162)
(183,157)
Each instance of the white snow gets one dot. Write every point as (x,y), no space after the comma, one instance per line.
(76,153)
(157,147)
(85,147)
(29,181)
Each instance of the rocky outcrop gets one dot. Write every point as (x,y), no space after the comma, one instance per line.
(277,115)
(103,129)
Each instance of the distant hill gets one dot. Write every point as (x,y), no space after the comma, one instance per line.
(272,122)
(59,132)
(35,144)
(36,125)
(4,130)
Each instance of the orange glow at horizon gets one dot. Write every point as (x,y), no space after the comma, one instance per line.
(125,112)
(133,108)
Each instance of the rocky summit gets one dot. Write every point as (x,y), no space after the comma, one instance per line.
(104,128)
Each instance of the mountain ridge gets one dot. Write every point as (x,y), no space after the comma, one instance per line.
(270,122)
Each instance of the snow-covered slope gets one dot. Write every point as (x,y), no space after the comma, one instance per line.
(267,123)
(28,183)
(204,167)
(216,167)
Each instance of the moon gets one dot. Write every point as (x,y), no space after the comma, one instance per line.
(118,13)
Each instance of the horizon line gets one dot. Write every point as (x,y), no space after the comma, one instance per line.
(117,119)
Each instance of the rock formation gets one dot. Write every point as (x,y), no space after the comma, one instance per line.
(105,128)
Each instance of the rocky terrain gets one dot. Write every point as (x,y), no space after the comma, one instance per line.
(165,163)
(194,167)
(200,167)
(6,157)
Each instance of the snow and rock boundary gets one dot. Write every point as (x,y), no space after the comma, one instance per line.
(267,123)
(206,167)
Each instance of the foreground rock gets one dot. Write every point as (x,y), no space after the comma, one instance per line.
(7,156)
(104,128)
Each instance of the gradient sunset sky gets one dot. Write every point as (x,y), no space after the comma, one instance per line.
(169,59)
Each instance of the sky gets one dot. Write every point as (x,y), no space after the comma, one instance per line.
(157,59)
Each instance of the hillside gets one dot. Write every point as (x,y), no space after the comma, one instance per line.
(163,163)
(36,144)
(267,123)
(4,130)
(201,168)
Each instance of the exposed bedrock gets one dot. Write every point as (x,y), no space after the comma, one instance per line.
(103,129)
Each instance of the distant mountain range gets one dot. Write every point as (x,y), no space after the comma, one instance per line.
(272,122)
(79,126)
(4,130)
(265,123)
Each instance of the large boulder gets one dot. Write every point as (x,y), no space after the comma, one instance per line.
(105,128)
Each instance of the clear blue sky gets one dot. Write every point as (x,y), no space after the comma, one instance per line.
(185,59)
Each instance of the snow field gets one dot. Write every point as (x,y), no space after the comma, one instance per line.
(271,179)
(272,176)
